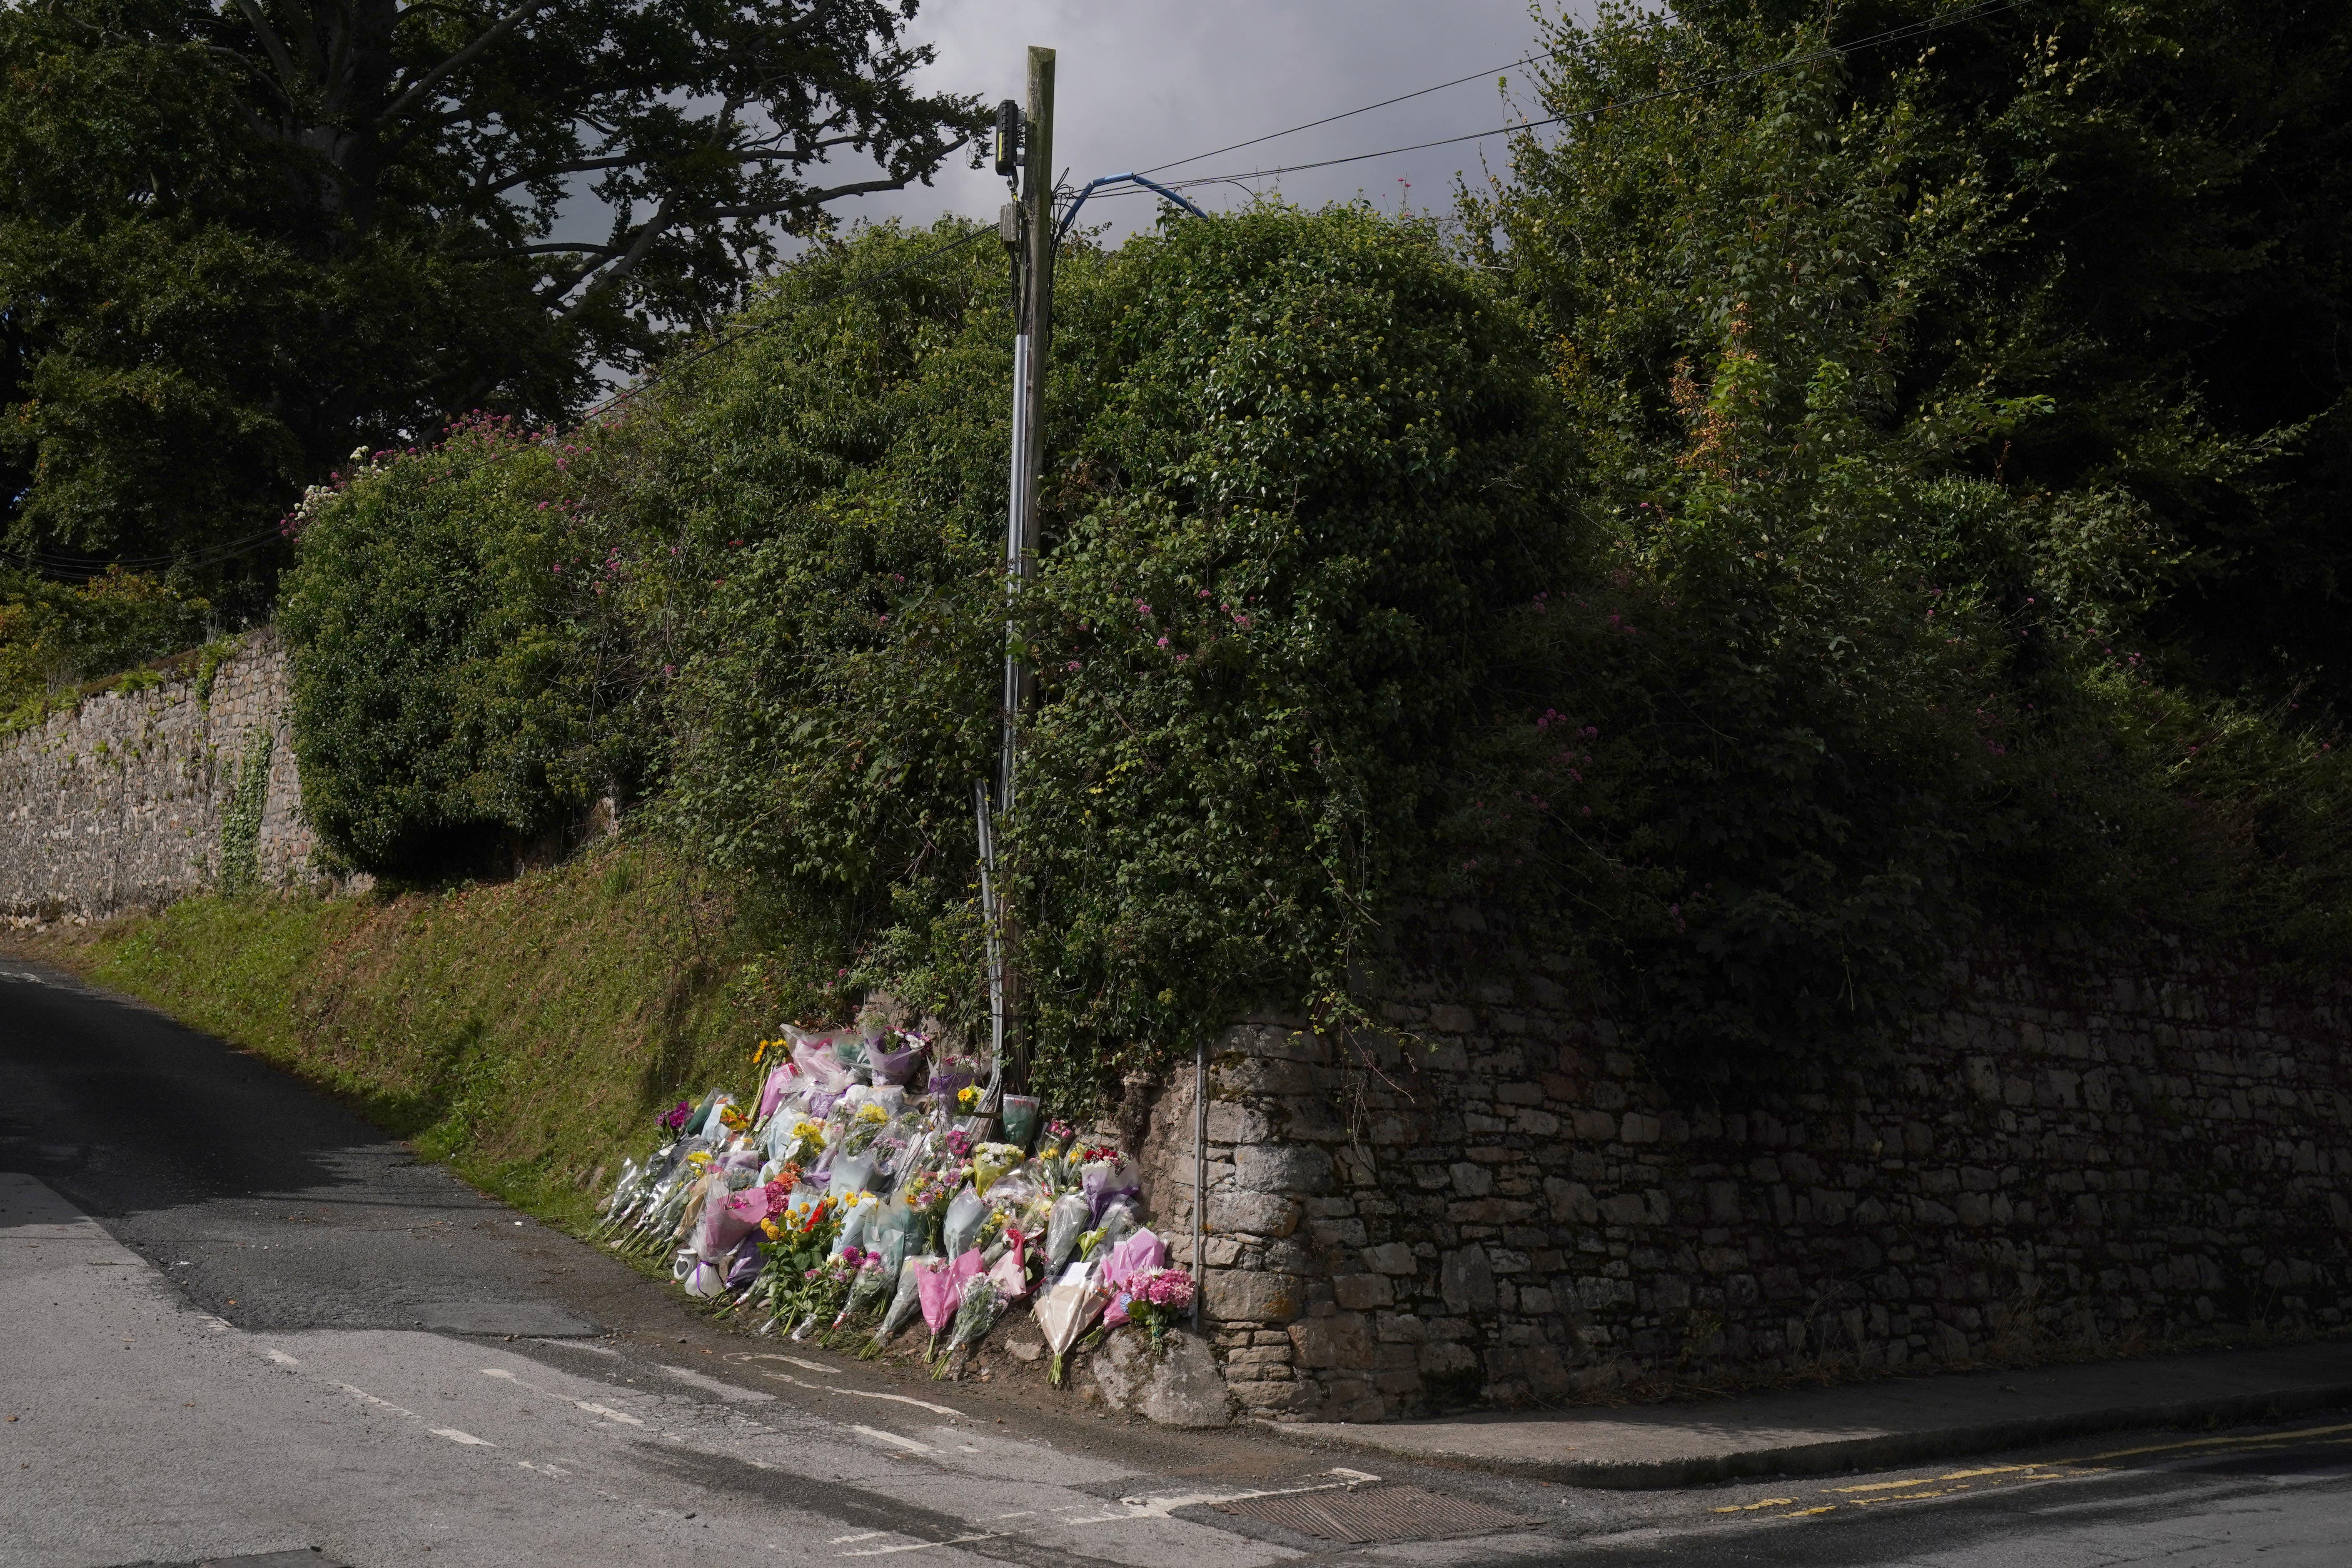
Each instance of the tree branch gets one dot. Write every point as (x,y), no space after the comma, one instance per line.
(805,198)
(622,265)
(549,171)
(290,79)
(458,61)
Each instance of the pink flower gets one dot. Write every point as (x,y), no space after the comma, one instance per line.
(1073,665)
(1164,642)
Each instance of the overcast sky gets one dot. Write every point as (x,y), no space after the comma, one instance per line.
(1145,82)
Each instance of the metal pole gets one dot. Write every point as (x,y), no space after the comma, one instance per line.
(1031,340)
(995,945)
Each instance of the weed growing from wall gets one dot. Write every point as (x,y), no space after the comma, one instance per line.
(240,833)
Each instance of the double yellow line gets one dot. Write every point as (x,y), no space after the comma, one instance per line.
(1909,1489)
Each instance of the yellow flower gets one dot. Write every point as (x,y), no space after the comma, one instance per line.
(967,1096)
(874,1113)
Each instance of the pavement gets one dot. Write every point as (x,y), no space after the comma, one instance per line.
(1895,1421)
(238,1326)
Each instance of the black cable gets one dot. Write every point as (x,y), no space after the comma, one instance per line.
(1345,114)
(1892,35)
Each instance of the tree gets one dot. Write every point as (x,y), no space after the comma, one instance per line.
(2162,249)
(237,239)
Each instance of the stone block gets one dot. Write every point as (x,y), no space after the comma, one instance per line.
(1571,1201)
(1253,1296)
(1466,1280)
(1277,1401)
(1392,1258)
(1626,1208)
(1174,1384)
(1267,1214)
(1362,1292)
(1277,1042)
(1341,1341)
(1471,1180)
(1281,1168)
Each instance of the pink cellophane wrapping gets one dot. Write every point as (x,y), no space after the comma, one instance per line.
(941,1286)
(772,1094)
(1011,1270)
(1139,1254)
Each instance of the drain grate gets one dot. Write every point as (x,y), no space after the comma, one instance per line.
(1376,1514)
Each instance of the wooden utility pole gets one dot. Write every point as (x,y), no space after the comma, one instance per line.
(1033,335)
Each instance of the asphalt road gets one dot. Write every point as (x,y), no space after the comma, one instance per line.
(237,1325)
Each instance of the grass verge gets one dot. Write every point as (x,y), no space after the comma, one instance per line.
(525,1032)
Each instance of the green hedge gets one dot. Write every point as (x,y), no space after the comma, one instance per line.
(447,614)
(1363,584)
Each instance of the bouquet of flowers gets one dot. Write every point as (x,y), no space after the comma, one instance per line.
(1063,1313)
(979,1304)
(861,1127)
(822,1293)
(991,1162)
(1064,1223)
(942,1288)
(866,1293)
(1158,1298)
(966,1213)
(1106,1176)
(906,1301)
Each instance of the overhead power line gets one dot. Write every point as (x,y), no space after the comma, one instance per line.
(58,564)
(1345,114)
(1972,13)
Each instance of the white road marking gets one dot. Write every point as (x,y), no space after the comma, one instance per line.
(892,1438)
(372,1399)
(919,1546)
(900,1398)
(281,1358)
(724,1390)
(456,1437)
(608,1413)
(863,1535)
(1162,1507)
(1346,1474)
(581,1345)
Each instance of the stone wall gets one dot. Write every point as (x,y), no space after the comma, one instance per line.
(122,804)
(2078,1154)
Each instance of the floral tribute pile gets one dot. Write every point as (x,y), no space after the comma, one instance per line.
(845,1201)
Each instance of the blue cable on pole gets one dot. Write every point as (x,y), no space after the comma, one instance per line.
(1071,216)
